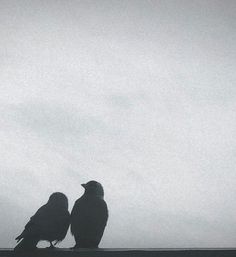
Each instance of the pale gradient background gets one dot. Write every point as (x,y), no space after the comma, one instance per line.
(139,95)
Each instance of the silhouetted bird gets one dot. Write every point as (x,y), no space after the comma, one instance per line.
(50,223)
(89,216)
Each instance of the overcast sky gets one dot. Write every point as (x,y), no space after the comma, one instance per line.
(139,95)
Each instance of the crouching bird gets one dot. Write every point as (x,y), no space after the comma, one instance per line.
(89,216)
(49,223)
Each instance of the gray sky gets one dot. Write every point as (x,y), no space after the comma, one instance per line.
(139,95)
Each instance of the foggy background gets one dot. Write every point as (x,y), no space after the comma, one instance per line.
(138,95)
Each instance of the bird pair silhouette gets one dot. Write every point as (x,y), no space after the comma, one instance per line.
(88,220)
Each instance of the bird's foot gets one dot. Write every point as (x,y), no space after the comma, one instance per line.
(51,247)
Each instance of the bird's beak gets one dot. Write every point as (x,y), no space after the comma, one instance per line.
(83,185)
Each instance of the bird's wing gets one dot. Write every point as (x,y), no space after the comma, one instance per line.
(53,222)
(89,217)
(31,228)
(62,224)
(101,218)
(26,230)
(76,214)
(48,223)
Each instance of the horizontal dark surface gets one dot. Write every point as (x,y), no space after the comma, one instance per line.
(110,252)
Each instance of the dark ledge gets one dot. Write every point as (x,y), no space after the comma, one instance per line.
(110,252)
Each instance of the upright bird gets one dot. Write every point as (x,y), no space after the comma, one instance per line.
(89,216)
(49,223)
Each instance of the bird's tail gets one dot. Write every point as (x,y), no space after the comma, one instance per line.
(27,244)
(18,238)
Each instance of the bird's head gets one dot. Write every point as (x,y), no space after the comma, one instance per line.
(58,199)
(93,188)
